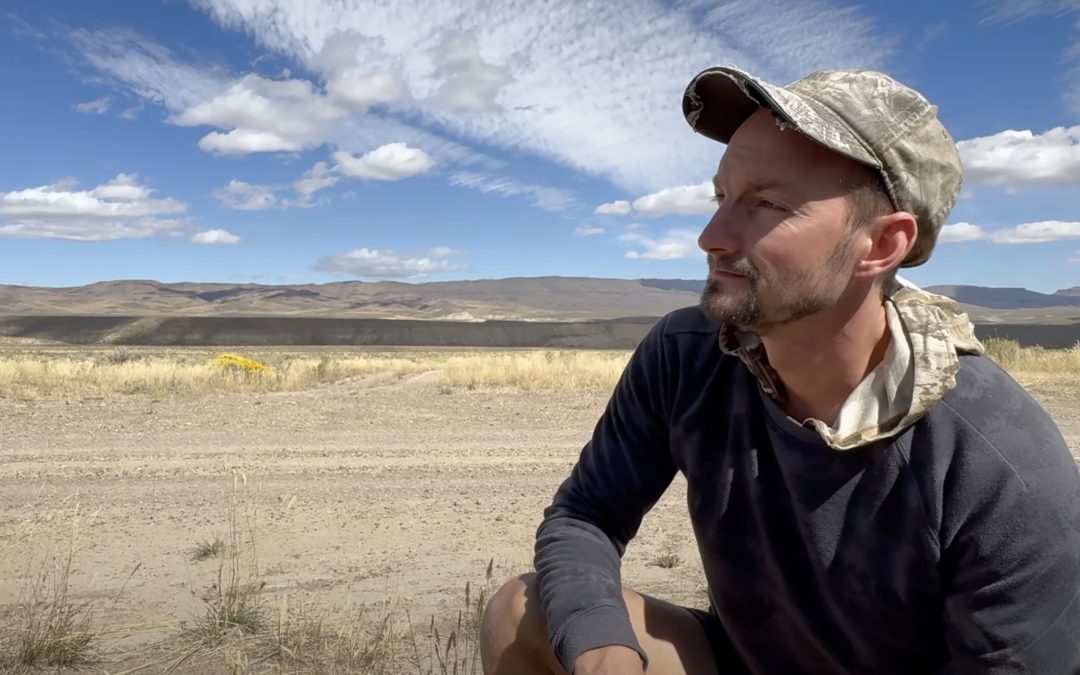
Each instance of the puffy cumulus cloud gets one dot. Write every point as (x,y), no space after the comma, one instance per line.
(264,115)
(616,208)
(1018,158)
(96,107)
(542,196)
(589,231)
(958,232)
(675,245)
(215,238)
(490,75)
(118,209)
(393,161)
(384,264)
(693,200)
(246,196)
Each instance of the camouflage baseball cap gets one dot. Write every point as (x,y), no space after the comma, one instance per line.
(862,114)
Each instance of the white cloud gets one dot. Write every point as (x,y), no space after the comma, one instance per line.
(1009,11)
(675,245)
(1036,233)
(636,226)
(491,75)
(95,107)
(246,196)
(696,200)
(131,113)
(118,209)
(393,161)
(382,264)
(547,198)
(1075,258)
(1018,158)
(960,232)
(616,208)
(588,231)
(1025,233)
(359,73)
(1006,11)
(124,188)
(264,115)
(318,177)
(443,252)
(470,84)
(215,237)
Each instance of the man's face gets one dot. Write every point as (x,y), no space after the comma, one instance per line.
(779,245)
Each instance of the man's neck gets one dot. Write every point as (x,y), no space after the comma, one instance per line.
(821,358)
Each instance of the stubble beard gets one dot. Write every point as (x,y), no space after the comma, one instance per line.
(817,288)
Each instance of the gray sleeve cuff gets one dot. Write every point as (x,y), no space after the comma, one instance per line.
(601,626)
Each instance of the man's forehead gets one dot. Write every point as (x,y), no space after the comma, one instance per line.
(781,157)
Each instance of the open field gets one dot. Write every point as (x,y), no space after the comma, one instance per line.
(331,502)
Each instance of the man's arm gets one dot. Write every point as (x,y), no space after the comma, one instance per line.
(621,473)
(1011,562)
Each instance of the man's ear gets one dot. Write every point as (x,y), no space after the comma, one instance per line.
(891,239)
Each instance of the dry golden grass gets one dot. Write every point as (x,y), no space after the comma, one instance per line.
(70,374)
(57,374)
(1056,368)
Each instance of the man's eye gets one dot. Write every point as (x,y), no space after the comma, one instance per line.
(766,204)
(718,198)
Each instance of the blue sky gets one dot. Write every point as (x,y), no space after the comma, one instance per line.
(275,141)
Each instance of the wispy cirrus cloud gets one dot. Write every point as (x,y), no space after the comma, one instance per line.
(542,196)
(244,196)
(488,75)
(98,106)
(589,231)
(1011,11)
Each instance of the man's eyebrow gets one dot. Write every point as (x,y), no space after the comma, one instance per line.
(760,185)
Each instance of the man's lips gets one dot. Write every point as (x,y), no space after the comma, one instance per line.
(724,274)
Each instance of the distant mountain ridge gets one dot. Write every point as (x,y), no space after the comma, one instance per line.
(550,299)
(1009,298)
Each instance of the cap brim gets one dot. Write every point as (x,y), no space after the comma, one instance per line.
(718,100)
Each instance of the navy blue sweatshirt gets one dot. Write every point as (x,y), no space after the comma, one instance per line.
(953,547)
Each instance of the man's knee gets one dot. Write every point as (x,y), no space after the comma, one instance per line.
(510,606)
(513,628)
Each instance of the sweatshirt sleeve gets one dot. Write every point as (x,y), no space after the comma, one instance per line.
(621,473)
(1011,552)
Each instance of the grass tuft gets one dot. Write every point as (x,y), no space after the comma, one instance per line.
(668,560)
(48,627)
(208,548)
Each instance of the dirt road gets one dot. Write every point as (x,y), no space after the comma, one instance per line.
(365,491)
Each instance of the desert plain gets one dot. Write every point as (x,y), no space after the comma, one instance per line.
(351,509)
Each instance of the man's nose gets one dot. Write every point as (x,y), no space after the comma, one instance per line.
(719,233)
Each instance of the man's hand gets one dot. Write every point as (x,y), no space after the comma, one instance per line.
(611,660)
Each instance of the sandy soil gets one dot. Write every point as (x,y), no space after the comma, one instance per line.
(365,491)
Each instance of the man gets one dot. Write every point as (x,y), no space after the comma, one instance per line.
(868,492)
